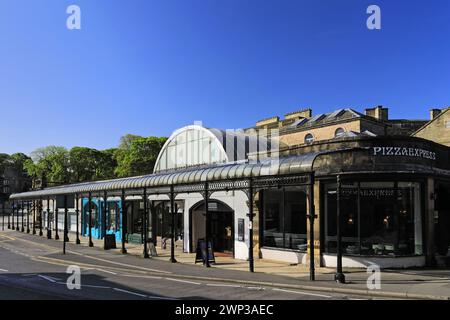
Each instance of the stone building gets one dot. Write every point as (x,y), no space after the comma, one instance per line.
(438,128)
(389,188)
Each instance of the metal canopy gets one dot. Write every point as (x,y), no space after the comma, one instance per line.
(222,176)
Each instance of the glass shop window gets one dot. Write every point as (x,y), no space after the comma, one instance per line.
(378,218)
(285,219)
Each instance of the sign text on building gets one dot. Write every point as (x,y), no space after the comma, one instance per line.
(404,152)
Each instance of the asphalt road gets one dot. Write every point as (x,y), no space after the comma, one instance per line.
(34,268)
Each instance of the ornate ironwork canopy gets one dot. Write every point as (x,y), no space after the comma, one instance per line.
(292,170)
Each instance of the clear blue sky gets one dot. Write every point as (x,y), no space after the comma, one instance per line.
(150,66)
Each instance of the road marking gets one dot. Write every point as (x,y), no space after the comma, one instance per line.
(4,270)
(184,281)
(130,292)
(304,293)
(139,276)
(119,263)
(223,285)
(47,278)
(106,271)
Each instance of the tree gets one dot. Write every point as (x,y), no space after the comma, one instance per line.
(50,165)
(88,164)
(140,158)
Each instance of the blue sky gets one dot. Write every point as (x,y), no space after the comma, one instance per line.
(150,66)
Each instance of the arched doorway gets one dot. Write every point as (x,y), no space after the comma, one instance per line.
(221,226)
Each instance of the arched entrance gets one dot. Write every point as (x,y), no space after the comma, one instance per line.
(221,220)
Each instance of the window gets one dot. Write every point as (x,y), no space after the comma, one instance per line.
(309,138)
(378,218)
(285,219)
(339,132)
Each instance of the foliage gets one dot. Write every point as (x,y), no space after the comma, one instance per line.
(140,158)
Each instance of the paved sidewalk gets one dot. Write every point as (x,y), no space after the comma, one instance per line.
(417,284)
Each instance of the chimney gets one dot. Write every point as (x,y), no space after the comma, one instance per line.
(379,113)
(304,113)
(434,113)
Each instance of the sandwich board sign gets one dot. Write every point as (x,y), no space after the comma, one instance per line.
(201,254)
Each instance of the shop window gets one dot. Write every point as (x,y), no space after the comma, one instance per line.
(377,219)
(309,138)
(285,219)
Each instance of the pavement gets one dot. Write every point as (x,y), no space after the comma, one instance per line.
(271,279)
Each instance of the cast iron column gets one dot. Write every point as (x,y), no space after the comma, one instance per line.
(17,216)
(13,226)
(28,216)
(49,229)
(9,221)
(206,262)
(123,221)
(23,216)
(105,208)
(3,211)
(339,276)
(65,237)
(144,224)
(34,216)
(41,221)
(251,264)
(91,244)
(77,212)
(312,216)
(172,209)
(55,206)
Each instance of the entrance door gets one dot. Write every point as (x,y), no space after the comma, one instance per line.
(221,226)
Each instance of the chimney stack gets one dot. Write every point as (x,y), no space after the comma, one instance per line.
(379,113)
(434,113)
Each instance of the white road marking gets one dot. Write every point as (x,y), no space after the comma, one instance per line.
(304,293)
(47,278)
(4,270)
(184,281)
(119,263)
(106,271)
(223,285)
(130,292)
(139,276)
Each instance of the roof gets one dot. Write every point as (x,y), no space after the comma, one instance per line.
(443,111)
(341,114)
(296,164)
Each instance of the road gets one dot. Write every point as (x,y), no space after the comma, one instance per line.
(33,267)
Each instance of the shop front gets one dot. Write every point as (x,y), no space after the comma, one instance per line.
(391,196)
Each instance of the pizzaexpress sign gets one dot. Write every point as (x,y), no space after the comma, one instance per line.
(404,152)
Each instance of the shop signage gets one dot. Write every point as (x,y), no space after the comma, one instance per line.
(404,152)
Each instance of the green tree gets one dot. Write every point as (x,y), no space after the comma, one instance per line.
(140,158)
(88,164)
(50,165)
